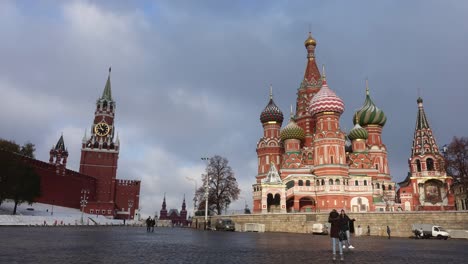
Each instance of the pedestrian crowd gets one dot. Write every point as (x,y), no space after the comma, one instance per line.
(150,223)
(341,228)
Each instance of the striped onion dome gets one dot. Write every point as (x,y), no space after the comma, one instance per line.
(292,131)
(369,114)
(326,100)
(358,133)
(271,113)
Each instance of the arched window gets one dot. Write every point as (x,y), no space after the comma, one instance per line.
(365,182)
(307,183)
(289,184)
(418,165)
(337,182)
(356,183)
(389,187)
(330,182)
(430,164)
(323,182)
(377,186)
(317,183)
(301,183)
(383,187)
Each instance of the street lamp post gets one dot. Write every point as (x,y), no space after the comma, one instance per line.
(206,191)
(207,188)
(130,205)
(83,202)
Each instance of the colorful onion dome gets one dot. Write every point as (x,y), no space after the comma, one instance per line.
(369,114)
(310,41)
(271,112)
(358,133)
(292,131)
(326,100)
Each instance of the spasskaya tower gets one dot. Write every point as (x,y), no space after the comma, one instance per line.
(100,151)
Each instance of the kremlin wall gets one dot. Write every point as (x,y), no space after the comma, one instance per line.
(95,189)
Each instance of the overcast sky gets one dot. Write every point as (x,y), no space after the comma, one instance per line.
(191,78)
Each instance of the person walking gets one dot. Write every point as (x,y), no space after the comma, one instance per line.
(346,224)
(368,230)
(148,224)
(153,223)
(388,232)
(334,220)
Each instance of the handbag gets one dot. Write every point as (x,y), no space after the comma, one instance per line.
(342,235)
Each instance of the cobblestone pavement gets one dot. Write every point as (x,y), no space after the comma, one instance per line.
(180,245)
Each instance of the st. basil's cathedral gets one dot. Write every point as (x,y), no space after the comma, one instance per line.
(311,165)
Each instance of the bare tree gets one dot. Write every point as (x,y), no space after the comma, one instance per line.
(456,158)
(222,184)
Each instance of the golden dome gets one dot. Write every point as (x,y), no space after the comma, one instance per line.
(310,41)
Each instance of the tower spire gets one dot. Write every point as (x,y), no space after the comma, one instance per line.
(107,93)
(324,77)
(367,86)
(312,74)
(271,91)
(60,144)
(424,141)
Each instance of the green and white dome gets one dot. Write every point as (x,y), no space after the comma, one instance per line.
(292,131)
(358,133)
(369,114)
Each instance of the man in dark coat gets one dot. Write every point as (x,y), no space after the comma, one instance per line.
(334,220)
(148,224)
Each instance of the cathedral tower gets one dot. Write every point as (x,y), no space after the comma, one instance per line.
(100,151)
(427,186)
(310,85)
(370,117)
(269,146)
(329,141)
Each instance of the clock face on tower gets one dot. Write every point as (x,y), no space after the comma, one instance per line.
(102,129)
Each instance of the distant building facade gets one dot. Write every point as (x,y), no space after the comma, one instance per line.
(96,181)
(177,218)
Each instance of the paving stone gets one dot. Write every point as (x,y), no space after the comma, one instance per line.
(183,245)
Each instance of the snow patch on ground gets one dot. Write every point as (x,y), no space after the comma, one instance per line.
(46,214)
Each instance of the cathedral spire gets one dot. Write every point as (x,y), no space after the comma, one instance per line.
(271,91)
(423,142)
(324,76)
(107,94)
(312,74)
(421,122)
